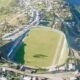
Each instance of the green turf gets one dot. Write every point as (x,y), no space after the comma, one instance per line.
(39,48)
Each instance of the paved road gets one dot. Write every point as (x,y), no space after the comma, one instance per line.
(51,76)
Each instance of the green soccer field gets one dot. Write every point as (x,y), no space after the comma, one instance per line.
(40,48)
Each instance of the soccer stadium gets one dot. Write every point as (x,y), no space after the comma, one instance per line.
(43,47)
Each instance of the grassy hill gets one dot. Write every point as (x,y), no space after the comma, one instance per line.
(5,3)
(6,9)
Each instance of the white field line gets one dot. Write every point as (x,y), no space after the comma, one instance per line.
(62,52)
(57,51)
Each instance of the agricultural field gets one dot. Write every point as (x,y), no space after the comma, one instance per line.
(41,48)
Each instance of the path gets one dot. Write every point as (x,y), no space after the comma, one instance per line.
(51,76)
